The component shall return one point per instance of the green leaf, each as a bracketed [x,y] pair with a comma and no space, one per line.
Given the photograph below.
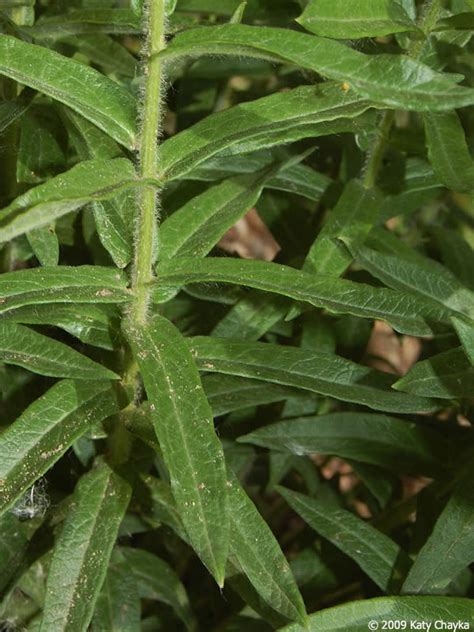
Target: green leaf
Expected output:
[447,375]
[84,21]
[251,317]
[448,150]
[98,98]
[356,615]
[196,227]
[63,284]
[192,452]
[24,347]
[380,440]
[450,546]
[82,551]
[92,324]
[46,430]
[405,313]
[323,373]
[421,276]
[465,332]
[395,80]
[155,579]
[307,111]
[114,223]
[45,245]
[261,558]
[299,179]
[355,213]
[86,182]
[227,393]
[118,606]
[367,18]
[376,554]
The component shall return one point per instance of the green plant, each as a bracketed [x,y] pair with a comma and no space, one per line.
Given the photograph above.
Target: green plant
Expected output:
[124,332]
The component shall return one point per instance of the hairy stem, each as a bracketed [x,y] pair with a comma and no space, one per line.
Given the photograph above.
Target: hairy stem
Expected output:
[147,228]
[429,16]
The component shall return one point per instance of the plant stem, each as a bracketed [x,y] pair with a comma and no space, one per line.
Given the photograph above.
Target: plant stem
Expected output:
[147,228]
[377,151]
[428,18]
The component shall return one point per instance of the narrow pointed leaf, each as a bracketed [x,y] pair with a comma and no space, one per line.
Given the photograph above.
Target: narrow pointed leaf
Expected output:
[355,213]
[367,18]
[323,373]
[421,276]
[192,452]
[46,430]
[407,314]
[355,616]
[98,98]
[448,150]
[81,22]
[155,579]
[24,347]
[251,317]
[84,284]
[261,558]
[227,393]
[447,375]
[395,80]
[86,182]
[307,111]
[92,324]
[45,245]
[370,438]
[118,606]
[450,547]
[196,227]
[377,555]
[82,551]
[465,331]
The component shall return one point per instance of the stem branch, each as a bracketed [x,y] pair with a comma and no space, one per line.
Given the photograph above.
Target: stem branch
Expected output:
[147,228]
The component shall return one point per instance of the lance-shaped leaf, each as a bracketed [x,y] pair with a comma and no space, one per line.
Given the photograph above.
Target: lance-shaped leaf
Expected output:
[419,275]
[261,558]
[192,452]
[355,213]
[367,18]
[62,284]
[88,181]
[84,21]
[197,226]
[21,346]
[447,375]
[227,393]
[92,324]
[405,313]
[448,150]
[45,245]
[85,90]
[323,373]
[366,437]
[395,80]
[46,430]
[299,179]
[280,118]
[465,331]
[355,616]
[377,555]
[251,317]
[118,605]
[155,579]
[82,551]
[450,547]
